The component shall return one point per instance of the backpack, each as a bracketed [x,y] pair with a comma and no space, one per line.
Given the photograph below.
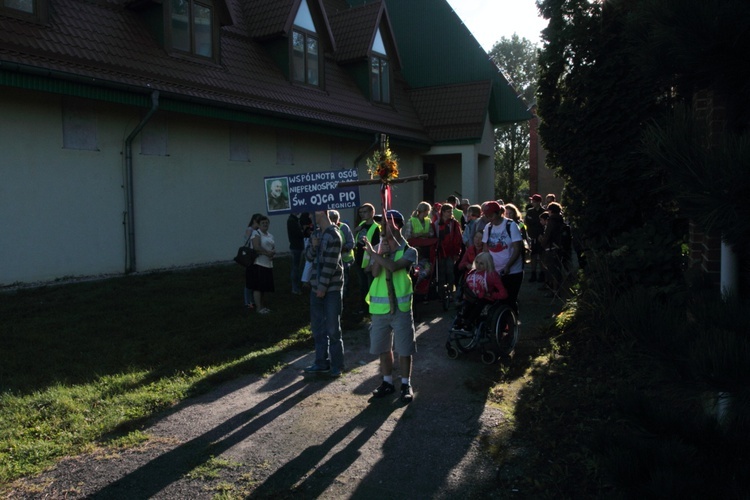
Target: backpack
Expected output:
[526,255]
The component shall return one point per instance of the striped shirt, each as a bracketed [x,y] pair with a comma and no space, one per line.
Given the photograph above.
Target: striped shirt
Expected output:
[327,267]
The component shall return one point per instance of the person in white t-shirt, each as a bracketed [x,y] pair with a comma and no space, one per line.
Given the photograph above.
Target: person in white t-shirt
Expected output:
[502,239]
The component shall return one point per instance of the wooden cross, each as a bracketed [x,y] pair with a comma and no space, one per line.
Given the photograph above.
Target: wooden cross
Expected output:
[385,183]
[370,182]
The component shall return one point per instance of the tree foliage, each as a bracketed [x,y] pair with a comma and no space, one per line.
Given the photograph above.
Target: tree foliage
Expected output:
[611,75]
[619,81]
[517,57]
[594,102]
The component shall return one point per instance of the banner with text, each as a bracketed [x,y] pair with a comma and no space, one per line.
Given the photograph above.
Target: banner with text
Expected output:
[310,191]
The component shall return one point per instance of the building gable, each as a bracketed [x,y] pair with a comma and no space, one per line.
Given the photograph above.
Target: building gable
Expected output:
[96,47]
[445,121]
[431,35]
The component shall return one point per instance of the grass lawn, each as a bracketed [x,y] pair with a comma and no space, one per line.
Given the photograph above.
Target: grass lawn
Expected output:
[85,362]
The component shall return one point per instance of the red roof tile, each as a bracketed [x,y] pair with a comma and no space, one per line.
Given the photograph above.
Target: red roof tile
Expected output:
[267,17]
[354,30]
[104,41]
[110,43]
[444,120]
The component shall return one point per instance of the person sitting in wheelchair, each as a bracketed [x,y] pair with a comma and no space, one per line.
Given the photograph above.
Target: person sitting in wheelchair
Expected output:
[482,286]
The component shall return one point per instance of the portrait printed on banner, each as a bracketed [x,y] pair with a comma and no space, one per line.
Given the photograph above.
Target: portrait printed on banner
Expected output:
[277,193]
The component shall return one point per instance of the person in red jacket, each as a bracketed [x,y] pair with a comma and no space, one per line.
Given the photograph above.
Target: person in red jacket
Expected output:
[448,233]
[470,254]
[483,286]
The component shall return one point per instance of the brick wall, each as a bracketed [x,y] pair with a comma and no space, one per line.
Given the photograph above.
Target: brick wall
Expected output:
[705,247]
[705,253]
[534,152]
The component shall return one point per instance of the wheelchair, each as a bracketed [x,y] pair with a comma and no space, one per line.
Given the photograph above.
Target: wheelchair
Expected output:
[495,334]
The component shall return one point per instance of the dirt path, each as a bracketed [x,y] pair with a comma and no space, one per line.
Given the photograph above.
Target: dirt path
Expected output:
[297,436]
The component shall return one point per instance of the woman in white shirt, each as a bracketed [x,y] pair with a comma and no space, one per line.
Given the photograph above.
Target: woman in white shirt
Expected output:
[264,244]
[502,239]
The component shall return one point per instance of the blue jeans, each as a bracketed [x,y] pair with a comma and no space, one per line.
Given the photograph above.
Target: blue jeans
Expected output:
[296,273]
[325,323]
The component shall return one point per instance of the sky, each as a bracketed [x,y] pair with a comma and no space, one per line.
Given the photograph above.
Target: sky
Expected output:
[490,20]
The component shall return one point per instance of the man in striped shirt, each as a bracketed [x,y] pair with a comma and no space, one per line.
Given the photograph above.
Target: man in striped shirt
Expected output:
[326,293]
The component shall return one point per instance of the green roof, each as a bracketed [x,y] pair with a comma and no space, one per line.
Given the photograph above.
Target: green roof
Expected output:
[437,49]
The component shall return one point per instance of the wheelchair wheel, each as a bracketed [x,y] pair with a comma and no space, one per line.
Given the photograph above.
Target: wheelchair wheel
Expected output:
[465,341]
[488,357]
[452,352]
[505,330]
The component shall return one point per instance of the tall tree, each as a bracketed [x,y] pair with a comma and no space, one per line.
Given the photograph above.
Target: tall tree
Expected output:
[594,100]
[518,59]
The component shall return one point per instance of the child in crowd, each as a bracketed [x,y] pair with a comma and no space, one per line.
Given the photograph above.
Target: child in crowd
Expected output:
[467,260]
[482,286]
[448,233]
[474,249]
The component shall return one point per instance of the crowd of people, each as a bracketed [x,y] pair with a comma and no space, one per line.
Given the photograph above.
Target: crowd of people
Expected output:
[480,251]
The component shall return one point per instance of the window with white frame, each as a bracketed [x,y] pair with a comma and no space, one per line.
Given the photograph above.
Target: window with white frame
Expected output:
[35,10]
[380,72]
[191,27]
[305,48]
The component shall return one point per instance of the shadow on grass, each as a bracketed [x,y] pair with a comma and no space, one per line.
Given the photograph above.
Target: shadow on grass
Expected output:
[164,323]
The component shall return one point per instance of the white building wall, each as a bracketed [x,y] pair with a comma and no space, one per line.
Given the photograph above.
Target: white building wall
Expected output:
[62,211]
[467,169]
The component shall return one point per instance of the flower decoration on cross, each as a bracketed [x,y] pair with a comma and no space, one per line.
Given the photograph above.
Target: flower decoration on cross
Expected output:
[384,163]
[383,170]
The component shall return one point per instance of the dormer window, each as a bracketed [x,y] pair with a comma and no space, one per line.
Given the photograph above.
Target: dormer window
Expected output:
[305,48]
[35,10]
[380,73]
[191,27]
[20,5]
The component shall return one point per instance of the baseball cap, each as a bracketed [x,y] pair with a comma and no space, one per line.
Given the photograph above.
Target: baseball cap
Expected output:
[536,197]
[492,207]
[396,217]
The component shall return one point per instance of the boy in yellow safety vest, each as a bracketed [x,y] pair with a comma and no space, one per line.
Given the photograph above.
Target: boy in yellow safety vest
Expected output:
[371,230]
[390,305]
[347,244]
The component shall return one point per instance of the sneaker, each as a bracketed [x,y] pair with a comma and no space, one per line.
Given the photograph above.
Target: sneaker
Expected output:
[265,310]
[406,393]
[384,390]
[336,372]
[313,368]
[250,307]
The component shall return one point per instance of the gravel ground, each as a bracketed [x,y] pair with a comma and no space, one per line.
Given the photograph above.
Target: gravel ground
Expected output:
[292,435]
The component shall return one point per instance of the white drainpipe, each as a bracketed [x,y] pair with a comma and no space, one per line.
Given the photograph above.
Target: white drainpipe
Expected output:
[729,282]
[729,271]
[130,216]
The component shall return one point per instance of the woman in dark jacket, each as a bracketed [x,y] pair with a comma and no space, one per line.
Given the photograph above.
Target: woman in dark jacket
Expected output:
[550,243]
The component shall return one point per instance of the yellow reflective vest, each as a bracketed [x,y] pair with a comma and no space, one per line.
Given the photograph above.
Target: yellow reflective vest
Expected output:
[370,233]
[420,226]
[346,255]
[378,298]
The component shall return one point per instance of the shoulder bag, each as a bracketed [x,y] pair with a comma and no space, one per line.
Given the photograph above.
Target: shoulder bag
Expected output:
[246,254]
